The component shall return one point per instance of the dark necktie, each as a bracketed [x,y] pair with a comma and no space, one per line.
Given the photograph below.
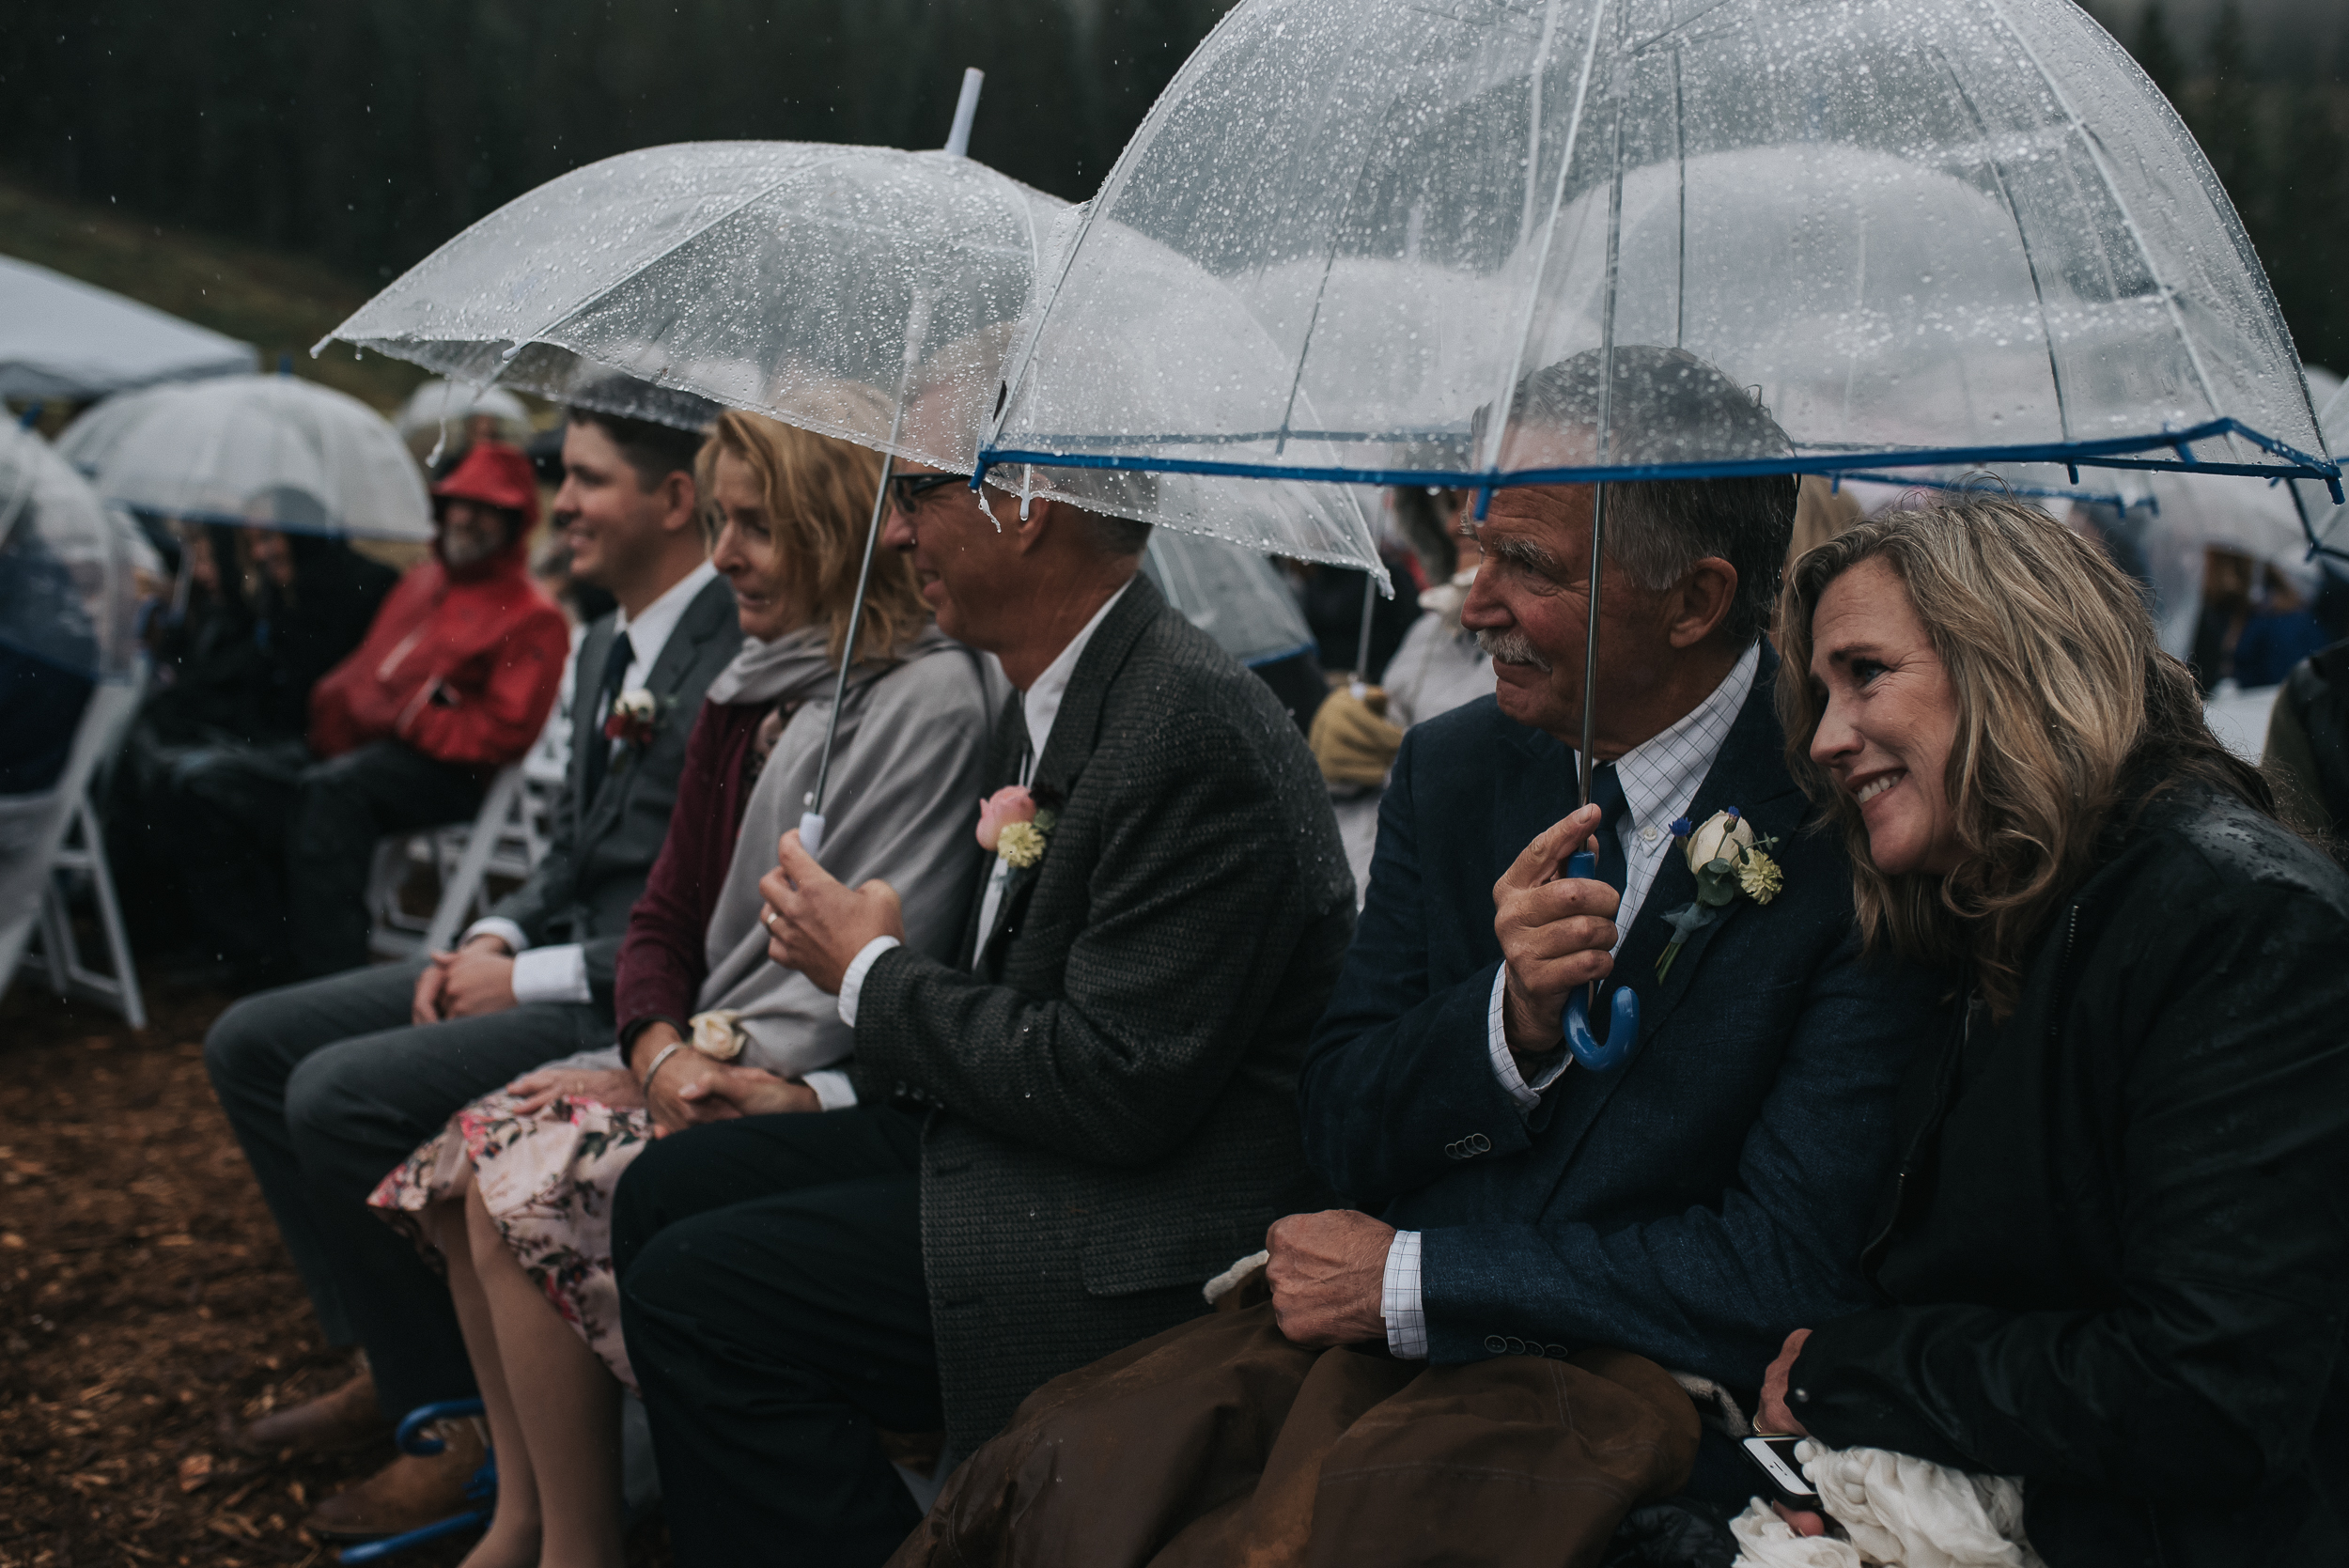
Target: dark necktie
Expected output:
[615,665]
[1607,794]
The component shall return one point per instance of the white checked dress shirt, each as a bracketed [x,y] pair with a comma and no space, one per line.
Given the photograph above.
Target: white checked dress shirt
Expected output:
[1660,777]
[559,972]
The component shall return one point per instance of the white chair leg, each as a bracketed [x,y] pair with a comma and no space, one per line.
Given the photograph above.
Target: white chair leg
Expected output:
[125,978]
[456,896]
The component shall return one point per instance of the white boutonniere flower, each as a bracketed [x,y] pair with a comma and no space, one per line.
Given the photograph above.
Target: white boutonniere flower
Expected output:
[634,716]
[1730,861]
[718,1034]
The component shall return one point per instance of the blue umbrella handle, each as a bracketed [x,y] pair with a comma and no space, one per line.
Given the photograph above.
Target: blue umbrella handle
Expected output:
[1623,1032]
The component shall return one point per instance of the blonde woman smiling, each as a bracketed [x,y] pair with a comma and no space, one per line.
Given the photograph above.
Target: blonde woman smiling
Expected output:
[517,1192]
[2113,1258]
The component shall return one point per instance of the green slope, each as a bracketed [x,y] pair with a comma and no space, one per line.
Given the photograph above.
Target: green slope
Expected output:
[279,304]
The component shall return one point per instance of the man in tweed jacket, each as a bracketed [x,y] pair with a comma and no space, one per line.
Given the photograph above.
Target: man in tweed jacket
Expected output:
[1060,1136]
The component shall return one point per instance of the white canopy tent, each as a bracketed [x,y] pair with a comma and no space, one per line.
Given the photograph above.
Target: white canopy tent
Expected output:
[60,337]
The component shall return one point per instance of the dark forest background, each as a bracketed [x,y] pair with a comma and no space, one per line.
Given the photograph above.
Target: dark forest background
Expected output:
[364,132]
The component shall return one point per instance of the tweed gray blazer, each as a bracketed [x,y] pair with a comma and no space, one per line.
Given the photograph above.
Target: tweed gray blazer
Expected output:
[1112,1092]
[601,851]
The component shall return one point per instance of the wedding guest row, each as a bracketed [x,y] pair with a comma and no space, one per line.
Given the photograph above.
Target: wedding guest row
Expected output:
[1057,1130]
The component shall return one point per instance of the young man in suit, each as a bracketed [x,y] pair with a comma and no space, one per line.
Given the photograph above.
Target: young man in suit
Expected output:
[331,1083]
[1057,1141]
[1697,1202]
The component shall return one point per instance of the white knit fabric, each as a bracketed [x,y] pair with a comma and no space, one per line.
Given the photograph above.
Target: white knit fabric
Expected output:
[1899,1511]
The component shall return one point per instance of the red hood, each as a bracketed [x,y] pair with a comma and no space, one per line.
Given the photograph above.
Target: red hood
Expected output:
[495,474]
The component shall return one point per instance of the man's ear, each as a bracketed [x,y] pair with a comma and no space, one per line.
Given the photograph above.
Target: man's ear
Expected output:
[1701,601]
[680,502]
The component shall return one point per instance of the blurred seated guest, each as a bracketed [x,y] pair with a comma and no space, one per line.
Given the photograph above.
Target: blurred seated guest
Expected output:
[516,1194]
[267,615]
[453,681]
[331,1083]
[1063,1129]
[2113,1259]
[1823,509]
[1332,600]
[1439,664]
[2279,633]
[2227,578]
[49,656]
[2308,743]
[1507,1209]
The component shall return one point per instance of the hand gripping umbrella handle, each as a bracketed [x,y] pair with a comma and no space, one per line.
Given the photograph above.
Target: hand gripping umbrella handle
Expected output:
[1622,1031]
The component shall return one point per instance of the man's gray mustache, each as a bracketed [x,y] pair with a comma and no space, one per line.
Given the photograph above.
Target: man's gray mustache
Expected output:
[1512,647]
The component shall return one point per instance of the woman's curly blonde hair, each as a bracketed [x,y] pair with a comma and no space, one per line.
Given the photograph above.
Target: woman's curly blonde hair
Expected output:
[2068,710]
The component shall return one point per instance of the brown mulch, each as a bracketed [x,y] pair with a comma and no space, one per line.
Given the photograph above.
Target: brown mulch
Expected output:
[147,1308]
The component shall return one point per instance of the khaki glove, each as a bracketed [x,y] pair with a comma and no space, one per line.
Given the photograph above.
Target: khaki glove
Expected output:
[1352,740]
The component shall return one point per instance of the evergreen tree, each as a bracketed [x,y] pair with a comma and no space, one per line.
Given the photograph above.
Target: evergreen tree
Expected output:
[2155,54]
[2309,263]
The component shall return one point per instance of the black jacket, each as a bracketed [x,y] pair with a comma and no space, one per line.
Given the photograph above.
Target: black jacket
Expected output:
[2118,1240]
[1112,1089]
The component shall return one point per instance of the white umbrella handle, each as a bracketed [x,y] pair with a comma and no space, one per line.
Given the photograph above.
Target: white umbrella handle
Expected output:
[811,832]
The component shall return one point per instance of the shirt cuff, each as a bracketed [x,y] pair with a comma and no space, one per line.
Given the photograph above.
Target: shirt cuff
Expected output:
[1505,1060]
[1399,1300]
[499,926]
[852,983]
[552,974]
[834,1091]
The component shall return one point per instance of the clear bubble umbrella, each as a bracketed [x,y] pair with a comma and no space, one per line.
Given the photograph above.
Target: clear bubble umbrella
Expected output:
[867,293]
[270,451]
[2323,516]
[67,598]
[1919,232]
[67,609]
[436,405]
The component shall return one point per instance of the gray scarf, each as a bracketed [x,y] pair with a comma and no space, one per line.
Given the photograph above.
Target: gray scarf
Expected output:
[908,764]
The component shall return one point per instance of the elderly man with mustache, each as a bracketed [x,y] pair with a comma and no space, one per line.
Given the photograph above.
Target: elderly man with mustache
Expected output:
[1446,1352]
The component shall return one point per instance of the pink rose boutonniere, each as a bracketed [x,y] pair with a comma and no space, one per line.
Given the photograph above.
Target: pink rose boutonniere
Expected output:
[1011,825]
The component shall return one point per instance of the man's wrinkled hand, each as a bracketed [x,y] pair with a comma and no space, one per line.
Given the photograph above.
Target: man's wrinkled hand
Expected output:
[480,980]
[431,1002]
[683,1093]
[1328,1273]
[752,1091]
[1556,933]
[817,926]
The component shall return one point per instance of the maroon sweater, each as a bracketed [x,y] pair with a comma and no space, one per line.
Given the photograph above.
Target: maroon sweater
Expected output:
[664,957]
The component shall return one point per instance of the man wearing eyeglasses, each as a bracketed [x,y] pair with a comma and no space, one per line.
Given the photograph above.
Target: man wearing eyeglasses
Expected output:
[1072,1129]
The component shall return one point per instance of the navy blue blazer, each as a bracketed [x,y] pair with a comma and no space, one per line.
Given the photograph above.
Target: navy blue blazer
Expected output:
[1694,1205]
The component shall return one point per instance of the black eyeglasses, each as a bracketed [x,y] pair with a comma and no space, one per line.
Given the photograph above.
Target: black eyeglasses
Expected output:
[906,490]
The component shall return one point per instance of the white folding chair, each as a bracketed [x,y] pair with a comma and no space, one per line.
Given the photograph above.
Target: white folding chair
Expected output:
[506,838]
[42,897]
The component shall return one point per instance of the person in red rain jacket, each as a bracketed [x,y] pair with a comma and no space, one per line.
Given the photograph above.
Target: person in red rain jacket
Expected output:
[453,682]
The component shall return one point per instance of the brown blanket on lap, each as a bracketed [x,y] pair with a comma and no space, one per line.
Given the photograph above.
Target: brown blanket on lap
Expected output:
[1220,1442]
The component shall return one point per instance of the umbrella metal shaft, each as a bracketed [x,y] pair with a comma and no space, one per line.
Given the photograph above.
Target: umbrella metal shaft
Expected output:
[1590,643]
[856,620]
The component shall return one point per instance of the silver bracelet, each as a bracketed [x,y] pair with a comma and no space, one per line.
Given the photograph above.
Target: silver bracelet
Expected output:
[666,1052]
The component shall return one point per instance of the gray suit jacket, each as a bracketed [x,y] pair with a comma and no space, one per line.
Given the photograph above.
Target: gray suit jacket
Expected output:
[1111,1093]
[602,849]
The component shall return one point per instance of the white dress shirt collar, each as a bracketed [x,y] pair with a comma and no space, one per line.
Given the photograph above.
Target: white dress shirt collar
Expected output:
[1040,705]
[647,632]
[1661,774]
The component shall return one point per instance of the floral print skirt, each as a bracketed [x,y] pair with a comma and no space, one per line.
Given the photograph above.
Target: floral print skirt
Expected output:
[547,1179]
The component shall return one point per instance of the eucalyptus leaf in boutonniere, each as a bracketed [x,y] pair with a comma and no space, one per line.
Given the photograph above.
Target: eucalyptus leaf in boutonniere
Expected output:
[1013,824]
[1730,863]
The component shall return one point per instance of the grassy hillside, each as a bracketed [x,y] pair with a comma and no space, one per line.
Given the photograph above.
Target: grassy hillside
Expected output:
[279,304]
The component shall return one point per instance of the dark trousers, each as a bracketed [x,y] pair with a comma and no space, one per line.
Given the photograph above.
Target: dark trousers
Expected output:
[772,1293]
[340,808]
[329,1087]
